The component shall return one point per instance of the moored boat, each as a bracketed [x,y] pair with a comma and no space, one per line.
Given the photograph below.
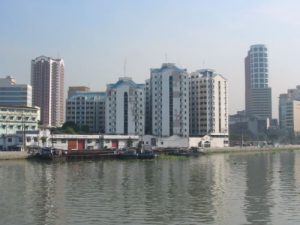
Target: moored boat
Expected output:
[146,154]
[127,154]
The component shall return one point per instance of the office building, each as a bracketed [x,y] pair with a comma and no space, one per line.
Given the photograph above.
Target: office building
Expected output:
[258,100]
[125,107]
[289,110]
[208,103]
[47,80]
[18,118]
[12,94]
[169,101]
[87,109]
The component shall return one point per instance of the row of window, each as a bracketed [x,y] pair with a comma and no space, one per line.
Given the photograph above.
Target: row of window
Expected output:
[18,118]
[19,127]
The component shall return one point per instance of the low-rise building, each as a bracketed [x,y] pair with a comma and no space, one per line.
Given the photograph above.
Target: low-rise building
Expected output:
[74,142]
[18,118]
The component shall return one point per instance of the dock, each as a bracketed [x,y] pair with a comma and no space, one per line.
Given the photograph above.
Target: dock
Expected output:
[8,155]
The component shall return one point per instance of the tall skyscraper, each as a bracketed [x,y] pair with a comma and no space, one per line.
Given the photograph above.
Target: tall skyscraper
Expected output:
[258,98]
[169,101]
[12,94]
[208,104]
[125,107]
[47,80]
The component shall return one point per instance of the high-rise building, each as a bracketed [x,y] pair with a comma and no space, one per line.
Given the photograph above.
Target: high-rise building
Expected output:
[12,94]
[47,80]
[208,104]
[258,98]
[87,109]
[72,90]
[169,101]
[289,110]
[125,107]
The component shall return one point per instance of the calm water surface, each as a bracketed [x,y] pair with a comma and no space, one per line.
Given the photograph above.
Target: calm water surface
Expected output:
[218,189]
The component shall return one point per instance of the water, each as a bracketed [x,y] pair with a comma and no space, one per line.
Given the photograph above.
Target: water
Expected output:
[218,189]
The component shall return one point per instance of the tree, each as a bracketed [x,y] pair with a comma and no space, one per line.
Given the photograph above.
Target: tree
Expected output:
[70,124]
[129,142]
[70,130]
[44,139]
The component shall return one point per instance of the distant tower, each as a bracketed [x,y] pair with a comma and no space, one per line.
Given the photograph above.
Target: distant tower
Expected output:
[47,80]
[258,95]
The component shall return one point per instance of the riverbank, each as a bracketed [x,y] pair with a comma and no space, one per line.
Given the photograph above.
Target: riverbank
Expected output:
[13,155]
[253,149]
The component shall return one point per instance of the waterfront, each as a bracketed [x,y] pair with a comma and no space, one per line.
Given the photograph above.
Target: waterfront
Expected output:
[246,188]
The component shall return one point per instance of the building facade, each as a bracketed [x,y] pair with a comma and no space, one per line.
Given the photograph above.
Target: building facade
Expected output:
[47,80]
[74,142]
[208,103]
[87,109]
[12,94]
[169,90]
[125,108]
[258,95]
[289,110]
[18,118]
[148,103]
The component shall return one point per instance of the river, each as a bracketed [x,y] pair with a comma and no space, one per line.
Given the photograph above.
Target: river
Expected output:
[260,188]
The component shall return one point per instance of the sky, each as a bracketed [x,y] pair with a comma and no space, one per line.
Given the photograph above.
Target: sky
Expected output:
[96,38]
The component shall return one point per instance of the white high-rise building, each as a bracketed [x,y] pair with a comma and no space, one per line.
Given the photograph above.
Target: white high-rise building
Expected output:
[208,104]
[169,101]
[125,108]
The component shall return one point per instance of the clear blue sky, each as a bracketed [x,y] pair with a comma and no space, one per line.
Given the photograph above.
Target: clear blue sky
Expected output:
[95,37]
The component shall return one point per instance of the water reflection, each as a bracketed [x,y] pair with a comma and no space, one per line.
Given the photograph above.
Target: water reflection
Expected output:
[218,189]
[258,196]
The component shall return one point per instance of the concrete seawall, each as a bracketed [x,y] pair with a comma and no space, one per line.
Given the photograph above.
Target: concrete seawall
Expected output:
[13,155]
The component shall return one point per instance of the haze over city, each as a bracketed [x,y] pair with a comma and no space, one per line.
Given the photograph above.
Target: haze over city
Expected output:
[97,38]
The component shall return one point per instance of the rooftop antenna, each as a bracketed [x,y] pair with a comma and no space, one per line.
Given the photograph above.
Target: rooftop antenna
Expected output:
[124,68]
[166,57]
[203,64]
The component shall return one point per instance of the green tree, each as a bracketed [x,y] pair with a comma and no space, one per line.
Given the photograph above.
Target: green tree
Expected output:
[129,142]
[69,130]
